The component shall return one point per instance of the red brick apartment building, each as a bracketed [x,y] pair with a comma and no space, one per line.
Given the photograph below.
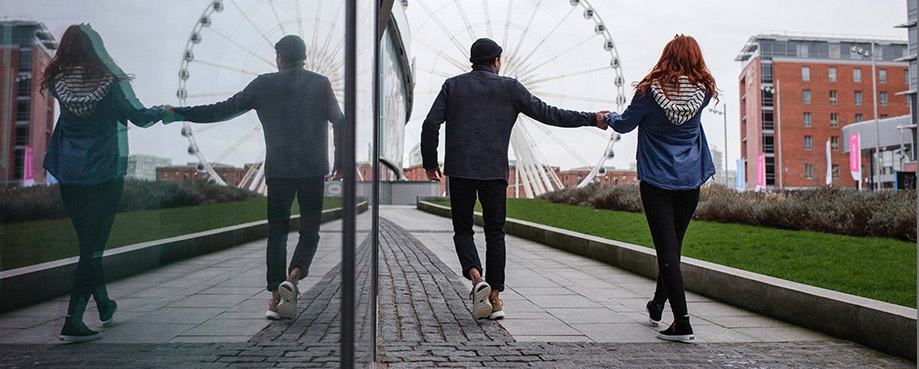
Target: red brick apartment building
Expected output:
[797,92]
[26,116]
[190,174]
[611,177]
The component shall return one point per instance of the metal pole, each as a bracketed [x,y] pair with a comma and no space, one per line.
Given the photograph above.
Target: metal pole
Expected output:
[348,200]
[877,135]
[375,221]
[725,109]
[778,134]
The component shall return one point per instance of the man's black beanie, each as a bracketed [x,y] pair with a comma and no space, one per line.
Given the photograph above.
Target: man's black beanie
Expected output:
[484,51]
[291,48]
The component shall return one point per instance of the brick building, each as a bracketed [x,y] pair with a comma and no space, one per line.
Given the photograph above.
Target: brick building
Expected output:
[611,177]
[797,92]
[26,115]
[190,173]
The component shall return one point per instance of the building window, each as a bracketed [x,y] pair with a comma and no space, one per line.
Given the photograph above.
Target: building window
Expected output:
[834,120]
[835,171]
[883,99]
[857,75]
[808,171]
[24,88]
[834,51]
[832,74]
[808,143]
[834,97]
[883,116]
[858,97]
[806,96]
[25,61]
[834,143]
[807,119]
[801,50]
[805,73]
[906,76]
[858,118]
[767,73]
[882,75]
[22,135]
[22,110]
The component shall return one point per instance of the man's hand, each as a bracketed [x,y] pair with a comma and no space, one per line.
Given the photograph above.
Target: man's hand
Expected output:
[337,174]
[601,121]
[435,174]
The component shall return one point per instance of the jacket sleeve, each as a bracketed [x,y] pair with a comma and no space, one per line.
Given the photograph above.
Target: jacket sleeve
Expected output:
[236,105]
[631,117]
[337,119]
[131,108]
[535,108]
[430,129]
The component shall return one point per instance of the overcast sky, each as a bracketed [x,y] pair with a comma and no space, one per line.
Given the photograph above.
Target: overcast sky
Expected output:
[147,38]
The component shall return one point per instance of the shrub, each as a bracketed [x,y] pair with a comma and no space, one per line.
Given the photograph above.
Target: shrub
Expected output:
[827,209]
[44,202]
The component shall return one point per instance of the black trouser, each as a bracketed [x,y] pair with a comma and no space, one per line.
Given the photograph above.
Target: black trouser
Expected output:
[92,211]
[281,192]
[668,213]
[493,195]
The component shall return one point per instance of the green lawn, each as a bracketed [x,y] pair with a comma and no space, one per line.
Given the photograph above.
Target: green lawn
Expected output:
[877,268]
[40,241]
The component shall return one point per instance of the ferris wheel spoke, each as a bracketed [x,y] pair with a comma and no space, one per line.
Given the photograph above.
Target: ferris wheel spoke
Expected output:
[259,30]
[555,138]
[556,56]
[212,94]
[449,58]
[232,41]
[328,40]
[225,67]
[546,38]
[438,73]
[207,127]
[526,30]
[442,27]
[507,21]
[275,11]
[465,19]
[487,19]
[573,97]
[316,25]
[238,143]
[566,75]
[299,16]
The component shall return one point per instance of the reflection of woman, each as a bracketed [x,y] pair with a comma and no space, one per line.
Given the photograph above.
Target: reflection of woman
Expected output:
[88,156]
[673,162]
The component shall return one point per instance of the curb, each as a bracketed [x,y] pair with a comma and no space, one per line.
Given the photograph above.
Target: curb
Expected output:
[882,326]
[19,286]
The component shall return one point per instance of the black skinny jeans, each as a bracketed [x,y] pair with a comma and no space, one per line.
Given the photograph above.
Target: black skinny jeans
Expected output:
[668,213]
[281,192]
[493,195]
[92,211]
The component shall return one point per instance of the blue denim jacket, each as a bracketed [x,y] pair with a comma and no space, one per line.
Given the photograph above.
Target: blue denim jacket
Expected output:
[94,149]
[672,157]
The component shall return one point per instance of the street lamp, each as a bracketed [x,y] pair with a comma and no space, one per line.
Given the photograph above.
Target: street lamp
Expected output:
[874,100]
[724,112]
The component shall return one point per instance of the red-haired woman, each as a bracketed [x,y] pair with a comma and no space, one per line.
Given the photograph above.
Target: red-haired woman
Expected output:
[88,156]
[673,163]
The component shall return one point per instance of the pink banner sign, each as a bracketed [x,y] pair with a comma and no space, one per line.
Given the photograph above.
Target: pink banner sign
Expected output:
[855,156]
[760,172]
[28,173]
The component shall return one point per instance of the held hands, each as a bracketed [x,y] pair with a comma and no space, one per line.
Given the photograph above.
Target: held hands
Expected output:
[435,174]
[601,121]
[169,114]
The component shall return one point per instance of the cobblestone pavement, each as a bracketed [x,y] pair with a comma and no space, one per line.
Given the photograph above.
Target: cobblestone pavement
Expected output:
[425,322]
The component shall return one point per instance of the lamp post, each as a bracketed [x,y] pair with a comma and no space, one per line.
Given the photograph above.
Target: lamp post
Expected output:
[874,101]
[724,112]
[778,131]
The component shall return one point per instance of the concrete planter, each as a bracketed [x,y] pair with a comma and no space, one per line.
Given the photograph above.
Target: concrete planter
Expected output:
[20,287]
[882,326]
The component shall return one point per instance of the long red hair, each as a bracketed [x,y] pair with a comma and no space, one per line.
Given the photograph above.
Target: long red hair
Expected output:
[80,46]
[681,57]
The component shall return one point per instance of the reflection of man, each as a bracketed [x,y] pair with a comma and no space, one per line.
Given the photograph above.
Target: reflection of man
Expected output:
[294,106]
[480,109]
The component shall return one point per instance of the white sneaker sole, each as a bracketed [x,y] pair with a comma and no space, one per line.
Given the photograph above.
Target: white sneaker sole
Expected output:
[676,338]
[287,307]
[274,315]
[654,323]
[75,339]
[497,315]
[481,307]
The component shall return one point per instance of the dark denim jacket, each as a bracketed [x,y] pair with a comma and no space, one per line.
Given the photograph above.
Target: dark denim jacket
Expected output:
[295,107]
[94,149]
[672,157]
[480,109]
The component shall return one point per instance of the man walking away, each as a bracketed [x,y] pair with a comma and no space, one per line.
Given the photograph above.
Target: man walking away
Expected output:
[480,109]
[295,107]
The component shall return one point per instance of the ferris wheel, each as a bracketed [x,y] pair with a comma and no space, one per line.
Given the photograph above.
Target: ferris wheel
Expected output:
[231,43]
[561,50]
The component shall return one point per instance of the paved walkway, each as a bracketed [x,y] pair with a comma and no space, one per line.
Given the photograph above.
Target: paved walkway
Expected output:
[564,311]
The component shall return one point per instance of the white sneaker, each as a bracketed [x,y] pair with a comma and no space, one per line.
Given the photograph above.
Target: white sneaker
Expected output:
[272,312]
[481,307]
[287,308]
[497,310]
